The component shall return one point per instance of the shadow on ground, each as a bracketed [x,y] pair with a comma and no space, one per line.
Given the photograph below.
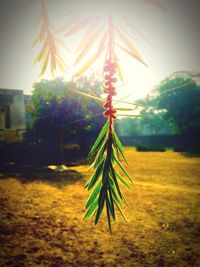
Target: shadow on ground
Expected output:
[28,173]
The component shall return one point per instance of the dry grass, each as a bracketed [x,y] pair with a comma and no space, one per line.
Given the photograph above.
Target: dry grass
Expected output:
[41,217]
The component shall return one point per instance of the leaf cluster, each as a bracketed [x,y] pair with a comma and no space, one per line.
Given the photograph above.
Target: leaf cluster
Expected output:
[105,179]
[49,53]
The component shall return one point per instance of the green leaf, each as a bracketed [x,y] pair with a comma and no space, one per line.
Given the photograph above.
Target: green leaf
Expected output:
[125,200]
[99,139]
[133,115]
[108,214]
[96,175]
[125,109]
[91,96]
[111,203]
[115,180]
[130,103]
[112,187]
[119,146]
[122,168]
[122,180]
[102,195]
[100,154]
[91,210]
[120,211]
[99,212]
[93,195]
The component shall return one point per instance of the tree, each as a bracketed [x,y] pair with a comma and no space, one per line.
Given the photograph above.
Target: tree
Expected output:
[58,111]
[180,97]
[154,121]
[128,127]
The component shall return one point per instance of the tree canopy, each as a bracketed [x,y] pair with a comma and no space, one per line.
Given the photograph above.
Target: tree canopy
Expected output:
[55,106]
[180,97]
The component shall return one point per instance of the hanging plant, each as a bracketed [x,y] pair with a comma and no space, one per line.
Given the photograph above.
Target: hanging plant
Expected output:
[49,53]
[105,153]
[107,150]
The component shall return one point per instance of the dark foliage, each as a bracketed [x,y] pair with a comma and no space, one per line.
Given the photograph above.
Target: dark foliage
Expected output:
[60,115]
[151,147]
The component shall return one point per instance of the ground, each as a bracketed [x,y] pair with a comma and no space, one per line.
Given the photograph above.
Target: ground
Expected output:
[41,217]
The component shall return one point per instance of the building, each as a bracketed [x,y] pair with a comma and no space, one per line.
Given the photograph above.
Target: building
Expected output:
[12,115]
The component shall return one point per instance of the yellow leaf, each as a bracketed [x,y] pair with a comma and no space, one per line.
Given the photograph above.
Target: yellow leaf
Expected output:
[68,24]
[130,103]
[60,66]
[134,29]
[62,61]
[129,45]
[119,71]
[39,19]
[156,3]
[37,39]
[43,31]
[51,43]
[102,43]
[53,65]
[61,43]
[89,45]
[44,66]
[91,96]
[88,34]
[89,63]
[131,54]
[41,54]
[78,27]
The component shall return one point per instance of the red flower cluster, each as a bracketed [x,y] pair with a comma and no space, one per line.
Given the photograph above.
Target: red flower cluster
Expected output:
[109,88]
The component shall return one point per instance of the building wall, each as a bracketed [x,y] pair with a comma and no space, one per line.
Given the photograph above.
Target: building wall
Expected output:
[12,115]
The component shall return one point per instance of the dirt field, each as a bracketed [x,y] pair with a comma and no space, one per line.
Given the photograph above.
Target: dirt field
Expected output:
[41,217]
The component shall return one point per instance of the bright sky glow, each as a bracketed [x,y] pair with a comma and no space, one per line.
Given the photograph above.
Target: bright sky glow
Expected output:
[173,36]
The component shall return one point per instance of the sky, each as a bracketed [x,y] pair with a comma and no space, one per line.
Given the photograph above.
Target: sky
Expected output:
[173,40]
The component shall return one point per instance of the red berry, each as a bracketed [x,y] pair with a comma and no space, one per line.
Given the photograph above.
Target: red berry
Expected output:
[113,65]
[113,93]
[107,105]
[106,113]
[108,83]
[109,98]
[114,117]
[112,72]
